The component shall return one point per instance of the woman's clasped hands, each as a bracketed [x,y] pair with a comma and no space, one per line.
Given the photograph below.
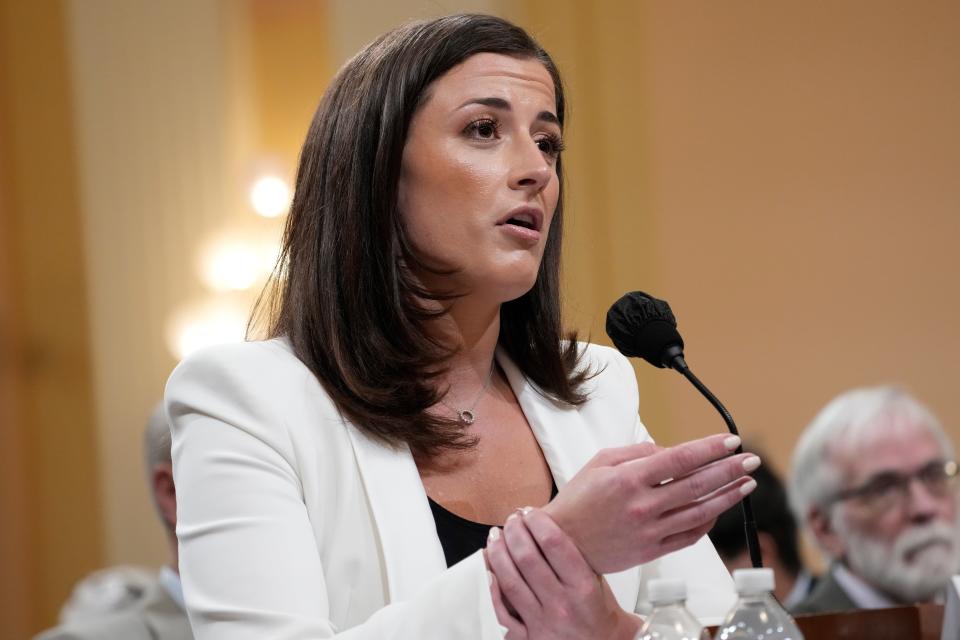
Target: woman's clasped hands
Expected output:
[542,587]
[627,506]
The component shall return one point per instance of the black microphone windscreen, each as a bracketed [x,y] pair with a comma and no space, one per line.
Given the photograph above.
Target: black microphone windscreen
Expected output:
[643,326]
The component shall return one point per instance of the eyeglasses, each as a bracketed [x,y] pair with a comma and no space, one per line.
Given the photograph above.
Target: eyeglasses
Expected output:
[890,489]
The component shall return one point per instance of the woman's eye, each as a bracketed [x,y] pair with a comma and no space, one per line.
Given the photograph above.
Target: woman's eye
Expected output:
[550,145]
[484,129]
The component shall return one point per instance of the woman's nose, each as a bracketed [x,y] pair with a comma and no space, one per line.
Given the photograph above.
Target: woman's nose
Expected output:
[531,169]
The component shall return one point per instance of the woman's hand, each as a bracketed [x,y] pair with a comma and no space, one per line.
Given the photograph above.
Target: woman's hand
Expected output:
[633,504]
[544,589]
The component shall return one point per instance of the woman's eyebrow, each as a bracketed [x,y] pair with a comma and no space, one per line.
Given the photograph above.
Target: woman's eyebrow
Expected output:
[500,103]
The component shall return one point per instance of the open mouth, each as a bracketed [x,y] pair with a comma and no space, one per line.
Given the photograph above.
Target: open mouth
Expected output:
[525,218]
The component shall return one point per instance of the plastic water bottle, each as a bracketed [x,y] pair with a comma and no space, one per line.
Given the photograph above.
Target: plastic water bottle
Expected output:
[670,618]
[757,615]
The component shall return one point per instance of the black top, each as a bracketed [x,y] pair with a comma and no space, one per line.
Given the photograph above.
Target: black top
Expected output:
[460,537]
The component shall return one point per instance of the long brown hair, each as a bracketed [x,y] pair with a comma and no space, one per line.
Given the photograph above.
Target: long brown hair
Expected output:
[343,293]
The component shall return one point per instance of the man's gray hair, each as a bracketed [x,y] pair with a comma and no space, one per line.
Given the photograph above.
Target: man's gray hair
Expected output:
[156,439]
[156,450]
[850,419]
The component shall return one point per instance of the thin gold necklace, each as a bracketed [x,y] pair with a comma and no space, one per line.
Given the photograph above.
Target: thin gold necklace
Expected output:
[468,416]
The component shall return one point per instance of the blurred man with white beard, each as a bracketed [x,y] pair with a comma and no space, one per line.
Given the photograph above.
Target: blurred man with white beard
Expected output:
[874,480]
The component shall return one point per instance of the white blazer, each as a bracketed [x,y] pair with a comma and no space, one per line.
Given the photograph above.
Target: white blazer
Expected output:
[295,525]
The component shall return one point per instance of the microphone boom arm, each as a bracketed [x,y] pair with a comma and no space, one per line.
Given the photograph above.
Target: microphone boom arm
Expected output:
[673,358]
[643,326]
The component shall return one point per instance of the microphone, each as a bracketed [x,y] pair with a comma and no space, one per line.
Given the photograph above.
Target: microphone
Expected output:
[643,326]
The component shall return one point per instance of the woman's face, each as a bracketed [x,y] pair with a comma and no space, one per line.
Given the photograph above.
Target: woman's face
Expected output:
[478,183]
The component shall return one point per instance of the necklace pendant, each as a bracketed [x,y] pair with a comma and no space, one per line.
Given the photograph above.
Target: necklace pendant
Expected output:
[466,416]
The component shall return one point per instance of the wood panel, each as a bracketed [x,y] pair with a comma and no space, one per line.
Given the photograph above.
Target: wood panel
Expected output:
[52,527]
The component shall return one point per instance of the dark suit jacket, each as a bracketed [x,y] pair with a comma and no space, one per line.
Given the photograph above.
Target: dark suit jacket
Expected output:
[154,617]
[827,597]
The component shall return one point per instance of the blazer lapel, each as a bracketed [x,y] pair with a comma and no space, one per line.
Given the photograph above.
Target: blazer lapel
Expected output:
[412,554]
[562,434]
[568,443]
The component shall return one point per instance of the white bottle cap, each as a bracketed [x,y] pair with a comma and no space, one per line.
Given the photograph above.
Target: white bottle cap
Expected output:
[752,582]
[663,590]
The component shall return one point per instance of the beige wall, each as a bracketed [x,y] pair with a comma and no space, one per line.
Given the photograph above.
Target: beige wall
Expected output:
[159,115]
[354,24]
[784,173]
[803,177]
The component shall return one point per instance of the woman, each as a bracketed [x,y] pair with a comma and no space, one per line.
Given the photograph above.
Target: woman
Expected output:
[340,479]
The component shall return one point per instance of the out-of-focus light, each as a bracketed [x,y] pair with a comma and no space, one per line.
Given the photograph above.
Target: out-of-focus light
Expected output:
[231,266]
[270,196]
[198,327]
[269,254]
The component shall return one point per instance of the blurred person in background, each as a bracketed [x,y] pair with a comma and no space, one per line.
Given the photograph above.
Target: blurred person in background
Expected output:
[874,480]
[776,532]
[131,603]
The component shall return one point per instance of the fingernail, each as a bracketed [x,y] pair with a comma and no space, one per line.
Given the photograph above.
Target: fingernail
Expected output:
[494,534]
[751,464]
[489,578]
[525,510]
[731,443]
[511,517]
[748,486]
